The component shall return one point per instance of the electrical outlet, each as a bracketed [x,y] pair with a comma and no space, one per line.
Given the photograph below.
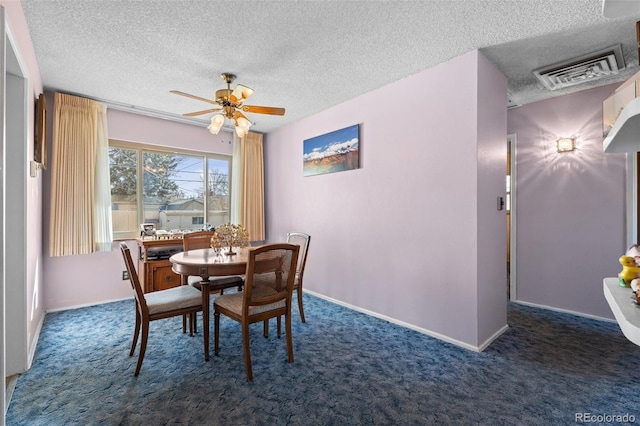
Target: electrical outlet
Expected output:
[125,275]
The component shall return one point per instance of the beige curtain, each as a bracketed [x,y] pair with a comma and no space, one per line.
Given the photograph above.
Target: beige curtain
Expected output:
[73,175]
[102,203]
[252,186]
[235,213]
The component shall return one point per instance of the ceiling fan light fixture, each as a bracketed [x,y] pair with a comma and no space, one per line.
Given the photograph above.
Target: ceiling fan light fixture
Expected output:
[240,93]
[241,132]
[241,120]
[216,124]
[242,124]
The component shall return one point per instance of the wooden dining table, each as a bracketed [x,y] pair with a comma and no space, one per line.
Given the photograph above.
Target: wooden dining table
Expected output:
[207,263]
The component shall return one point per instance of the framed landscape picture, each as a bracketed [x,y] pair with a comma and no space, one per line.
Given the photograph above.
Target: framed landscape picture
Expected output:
[332,152]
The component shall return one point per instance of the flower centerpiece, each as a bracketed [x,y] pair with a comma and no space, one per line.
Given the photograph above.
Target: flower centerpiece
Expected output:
[229,236]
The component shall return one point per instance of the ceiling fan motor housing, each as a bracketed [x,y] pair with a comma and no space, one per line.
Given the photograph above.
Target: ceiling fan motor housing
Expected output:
[222,97]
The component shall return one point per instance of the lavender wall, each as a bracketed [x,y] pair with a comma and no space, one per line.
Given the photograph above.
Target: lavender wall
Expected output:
[492,231]
[144,129]
[399,236]
[570,207]
[73,281]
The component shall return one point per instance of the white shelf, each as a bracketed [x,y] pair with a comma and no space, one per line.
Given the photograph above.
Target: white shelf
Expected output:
[624,136]
[626,312]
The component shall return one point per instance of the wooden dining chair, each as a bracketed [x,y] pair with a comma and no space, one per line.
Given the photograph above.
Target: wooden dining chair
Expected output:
[269,279]
[302,240]
[201,240]
[181,300]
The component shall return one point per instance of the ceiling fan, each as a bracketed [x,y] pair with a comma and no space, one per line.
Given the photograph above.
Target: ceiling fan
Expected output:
[230,104]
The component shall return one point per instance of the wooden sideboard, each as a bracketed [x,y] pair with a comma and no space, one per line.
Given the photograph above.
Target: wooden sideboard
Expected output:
[154,267]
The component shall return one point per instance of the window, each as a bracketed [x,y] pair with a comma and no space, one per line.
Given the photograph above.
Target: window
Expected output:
[123,164]
[168,189]
[218,200]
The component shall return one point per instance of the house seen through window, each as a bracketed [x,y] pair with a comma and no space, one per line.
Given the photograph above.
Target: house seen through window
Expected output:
[167,189]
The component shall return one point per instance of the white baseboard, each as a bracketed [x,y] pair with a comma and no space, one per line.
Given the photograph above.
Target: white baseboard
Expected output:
[411,326]
[490,340]
[11,386]
[32,350]
[89,304]
[564,311]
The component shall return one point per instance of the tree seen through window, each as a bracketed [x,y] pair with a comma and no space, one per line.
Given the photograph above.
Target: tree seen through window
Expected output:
[173,190]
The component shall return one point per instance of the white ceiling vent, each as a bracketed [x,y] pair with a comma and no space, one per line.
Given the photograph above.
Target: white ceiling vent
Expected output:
[587,68]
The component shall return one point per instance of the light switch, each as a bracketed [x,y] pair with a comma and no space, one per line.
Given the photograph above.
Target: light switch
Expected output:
[33,168]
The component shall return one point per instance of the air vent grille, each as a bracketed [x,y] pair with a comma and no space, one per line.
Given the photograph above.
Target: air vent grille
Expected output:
[584,69]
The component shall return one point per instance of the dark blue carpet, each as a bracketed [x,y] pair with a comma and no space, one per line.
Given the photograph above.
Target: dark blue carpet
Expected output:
[349,369]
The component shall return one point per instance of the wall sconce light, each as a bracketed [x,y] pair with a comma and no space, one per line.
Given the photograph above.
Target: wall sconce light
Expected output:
[566,144]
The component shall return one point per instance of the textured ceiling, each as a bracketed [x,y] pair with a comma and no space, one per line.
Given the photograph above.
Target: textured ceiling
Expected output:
[305,56]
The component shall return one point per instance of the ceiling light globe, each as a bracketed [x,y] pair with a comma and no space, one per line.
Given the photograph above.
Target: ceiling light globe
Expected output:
[217,120]
[216,124]
[246,92]
[241,132]
[243,123]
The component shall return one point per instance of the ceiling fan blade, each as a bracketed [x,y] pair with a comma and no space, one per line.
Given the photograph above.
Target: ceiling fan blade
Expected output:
[263,109]
[206,111]
[240,93]
[198,98]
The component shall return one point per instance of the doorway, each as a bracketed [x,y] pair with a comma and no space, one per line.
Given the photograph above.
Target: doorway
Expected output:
[510,204]
[14,95]
[3,393]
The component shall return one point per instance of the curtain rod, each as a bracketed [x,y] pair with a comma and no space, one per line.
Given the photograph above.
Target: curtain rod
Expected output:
[144,111]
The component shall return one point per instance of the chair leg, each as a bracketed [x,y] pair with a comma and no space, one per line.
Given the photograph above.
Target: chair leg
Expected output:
[184,323]
[279,322]
[143,346]
[136,332]
[287,321]
[245,347]
[265,328]
[216,331]
[195,322]
[299,291]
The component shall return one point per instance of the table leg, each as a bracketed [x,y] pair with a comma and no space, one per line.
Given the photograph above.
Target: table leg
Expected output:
[204,286]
